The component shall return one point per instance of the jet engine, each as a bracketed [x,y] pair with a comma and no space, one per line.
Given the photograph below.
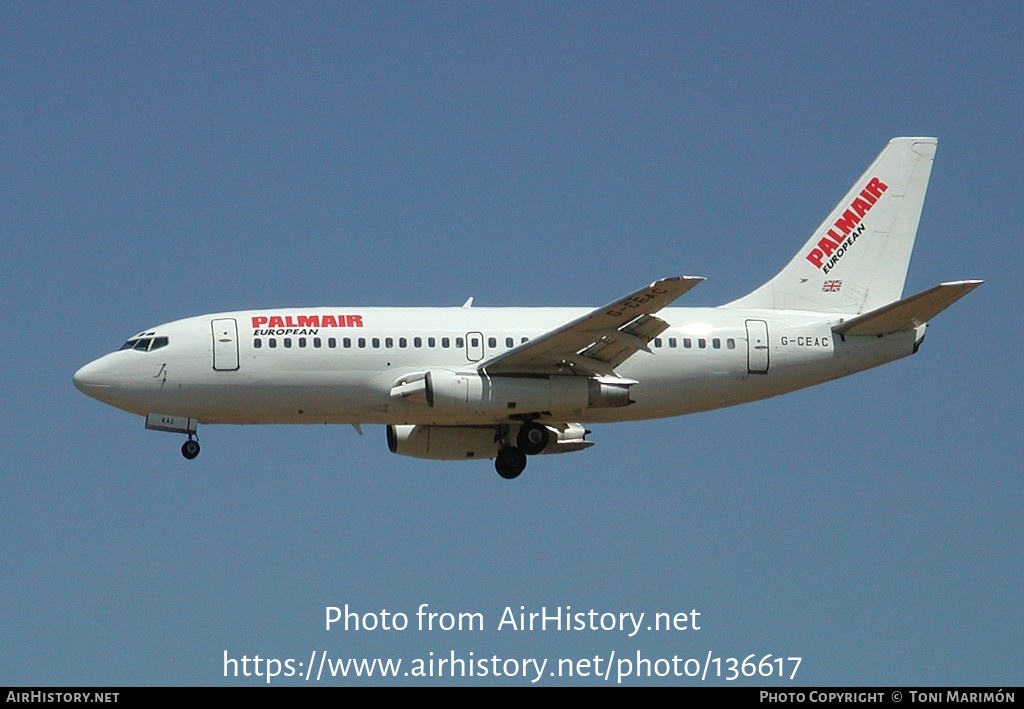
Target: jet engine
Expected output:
[476,392]
[470,442]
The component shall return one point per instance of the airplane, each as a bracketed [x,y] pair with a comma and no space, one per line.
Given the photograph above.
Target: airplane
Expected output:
[507,383]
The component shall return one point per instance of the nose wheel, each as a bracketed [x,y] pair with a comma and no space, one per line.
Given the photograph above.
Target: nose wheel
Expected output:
[190,448]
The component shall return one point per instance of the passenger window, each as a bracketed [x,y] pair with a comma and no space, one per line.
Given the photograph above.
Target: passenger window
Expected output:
[402,342]
[346,342]
[417,342]
[287,342]
[302,342]
[431,342]
[702,343]
[332,342]
[716,343]
[376,343]
[362,342]
[316,342]
[389,342]
[509,342]
[730,343]
[687,343]
[460,342]
[257,343]
[445,342]
[657,342]
[492,342]
[671,342]
[272,342]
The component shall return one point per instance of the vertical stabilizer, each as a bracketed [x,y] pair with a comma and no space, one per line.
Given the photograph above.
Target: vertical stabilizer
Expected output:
[857,259]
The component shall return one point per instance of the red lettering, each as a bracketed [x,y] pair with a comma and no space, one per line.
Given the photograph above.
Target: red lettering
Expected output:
[860,207]
[306,321]
[853,215]
[847,222]
[876,187]
[827,246]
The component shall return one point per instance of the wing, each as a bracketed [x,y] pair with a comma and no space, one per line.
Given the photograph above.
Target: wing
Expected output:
[599,341]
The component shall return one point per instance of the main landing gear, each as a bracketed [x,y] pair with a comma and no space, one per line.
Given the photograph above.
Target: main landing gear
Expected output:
[190,448]
[511,460]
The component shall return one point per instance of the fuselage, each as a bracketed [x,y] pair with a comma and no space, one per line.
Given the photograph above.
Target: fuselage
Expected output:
[341,365]
[507,383]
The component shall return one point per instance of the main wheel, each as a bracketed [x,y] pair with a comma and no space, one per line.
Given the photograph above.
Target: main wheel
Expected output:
[533,438]
[190,449]
[510,462]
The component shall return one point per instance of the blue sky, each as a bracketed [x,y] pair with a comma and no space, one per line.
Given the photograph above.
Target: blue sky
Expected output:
[162,160]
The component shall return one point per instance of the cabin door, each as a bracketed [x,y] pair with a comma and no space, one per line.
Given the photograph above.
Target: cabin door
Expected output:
[757,347]
[225,344]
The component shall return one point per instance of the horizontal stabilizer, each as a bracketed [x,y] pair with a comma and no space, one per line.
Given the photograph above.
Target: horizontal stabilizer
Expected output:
[908,313]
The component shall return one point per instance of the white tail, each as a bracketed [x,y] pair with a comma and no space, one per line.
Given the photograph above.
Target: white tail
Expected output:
[857,259]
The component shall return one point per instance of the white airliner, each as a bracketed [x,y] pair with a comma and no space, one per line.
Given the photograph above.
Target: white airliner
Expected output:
[461,383]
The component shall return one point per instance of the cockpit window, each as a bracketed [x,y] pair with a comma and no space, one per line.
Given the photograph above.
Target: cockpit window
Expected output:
[145,344]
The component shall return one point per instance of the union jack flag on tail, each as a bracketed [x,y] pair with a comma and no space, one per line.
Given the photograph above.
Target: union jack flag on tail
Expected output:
[831,286]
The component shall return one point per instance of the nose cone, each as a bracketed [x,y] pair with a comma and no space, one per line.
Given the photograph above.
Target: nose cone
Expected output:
[92,379]
[114,380]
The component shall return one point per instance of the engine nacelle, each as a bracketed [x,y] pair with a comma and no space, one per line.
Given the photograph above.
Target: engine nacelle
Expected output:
[452,391]
[443,442]
[471,442]
[607,392]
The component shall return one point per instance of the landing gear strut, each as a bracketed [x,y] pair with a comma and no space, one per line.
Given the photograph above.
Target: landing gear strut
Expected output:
[190,448]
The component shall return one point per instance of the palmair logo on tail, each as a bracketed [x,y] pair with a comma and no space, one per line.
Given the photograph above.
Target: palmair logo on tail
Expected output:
[831,286]
[844,232]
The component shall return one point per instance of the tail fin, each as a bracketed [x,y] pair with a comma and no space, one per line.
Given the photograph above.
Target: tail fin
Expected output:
[857,260]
